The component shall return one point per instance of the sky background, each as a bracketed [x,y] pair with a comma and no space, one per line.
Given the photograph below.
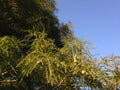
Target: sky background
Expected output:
[95,20]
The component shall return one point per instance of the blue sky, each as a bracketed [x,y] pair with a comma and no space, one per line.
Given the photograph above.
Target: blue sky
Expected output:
[95,20]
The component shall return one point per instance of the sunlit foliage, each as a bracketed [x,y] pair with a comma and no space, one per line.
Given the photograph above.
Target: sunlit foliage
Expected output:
[38,52]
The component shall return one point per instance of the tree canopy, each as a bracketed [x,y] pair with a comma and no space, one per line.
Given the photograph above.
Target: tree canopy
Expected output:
[39,52]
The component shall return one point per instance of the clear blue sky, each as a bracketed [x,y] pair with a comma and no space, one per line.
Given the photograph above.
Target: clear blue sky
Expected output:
[95,20]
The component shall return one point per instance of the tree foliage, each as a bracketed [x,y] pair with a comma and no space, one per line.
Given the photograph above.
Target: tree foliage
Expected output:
[38,52]
[110,66]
